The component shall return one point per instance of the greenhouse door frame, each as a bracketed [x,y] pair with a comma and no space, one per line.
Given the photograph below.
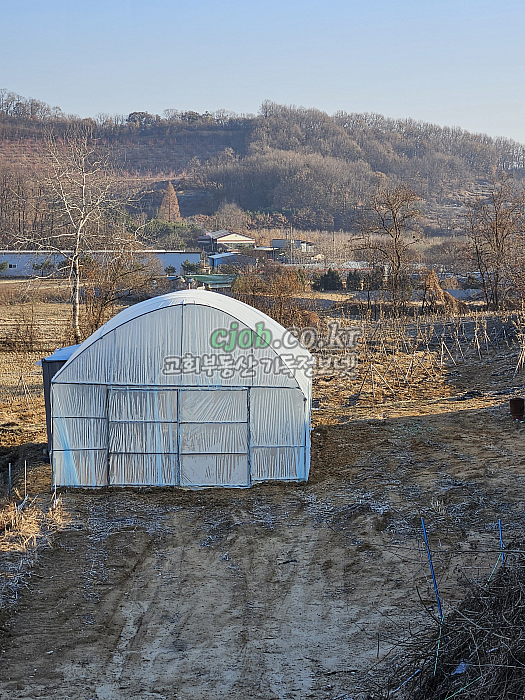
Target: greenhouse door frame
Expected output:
[184,448]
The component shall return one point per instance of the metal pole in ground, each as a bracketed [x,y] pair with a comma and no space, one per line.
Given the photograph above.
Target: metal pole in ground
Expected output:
[432,569]
[25,478]
[9,481]
[501,543]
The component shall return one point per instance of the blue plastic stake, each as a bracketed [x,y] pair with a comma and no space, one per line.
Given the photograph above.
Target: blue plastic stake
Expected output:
[501,542]
[432,569]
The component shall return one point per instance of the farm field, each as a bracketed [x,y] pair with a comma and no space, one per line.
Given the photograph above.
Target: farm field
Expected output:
[279,591]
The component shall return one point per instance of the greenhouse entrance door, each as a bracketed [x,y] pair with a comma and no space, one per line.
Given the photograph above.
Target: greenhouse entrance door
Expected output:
[178,437]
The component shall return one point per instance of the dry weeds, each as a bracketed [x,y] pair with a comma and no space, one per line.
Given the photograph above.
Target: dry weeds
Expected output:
[478,651]
[25,529]
[27,525]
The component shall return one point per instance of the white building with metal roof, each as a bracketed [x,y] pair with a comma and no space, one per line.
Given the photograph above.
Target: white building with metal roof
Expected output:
[31,263]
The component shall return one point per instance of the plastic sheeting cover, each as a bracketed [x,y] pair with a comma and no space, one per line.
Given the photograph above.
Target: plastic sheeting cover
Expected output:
[119,419]
[131,347]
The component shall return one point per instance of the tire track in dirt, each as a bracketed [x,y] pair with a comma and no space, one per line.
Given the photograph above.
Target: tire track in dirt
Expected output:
[271,604]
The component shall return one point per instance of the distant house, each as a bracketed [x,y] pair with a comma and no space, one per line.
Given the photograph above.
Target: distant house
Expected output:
[175,258]
[31,263]
[214,283]
[360,265]
[266,252]
[303,246]
[467,294]
[214,239]
[236,259]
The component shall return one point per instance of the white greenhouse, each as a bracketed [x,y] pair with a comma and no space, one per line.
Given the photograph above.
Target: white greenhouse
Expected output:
[189,389]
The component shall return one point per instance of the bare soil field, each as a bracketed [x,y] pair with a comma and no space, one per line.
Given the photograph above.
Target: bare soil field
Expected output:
[279,591]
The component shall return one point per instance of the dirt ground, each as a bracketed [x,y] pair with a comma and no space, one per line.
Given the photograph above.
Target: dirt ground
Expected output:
[279,591]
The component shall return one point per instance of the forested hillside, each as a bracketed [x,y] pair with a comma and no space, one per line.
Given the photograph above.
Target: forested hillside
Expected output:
[287,165]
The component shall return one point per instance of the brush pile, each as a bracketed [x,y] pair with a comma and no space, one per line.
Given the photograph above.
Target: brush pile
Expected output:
[479,649]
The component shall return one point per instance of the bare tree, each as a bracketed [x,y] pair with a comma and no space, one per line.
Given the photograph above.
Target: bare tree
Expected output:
[387,232]
[110,277]
[87,200]
[230,216]
[495,223]
[516,270]
[274,292]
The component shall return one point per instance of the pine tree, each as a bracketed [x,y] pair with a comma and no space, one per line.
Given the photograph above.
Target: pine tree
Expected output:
[329,282]
[354,281]
[169,208]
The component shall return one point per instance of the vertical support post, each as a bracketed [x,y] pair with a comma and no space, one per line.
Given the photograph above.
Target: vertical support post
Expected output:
[249,435]
[25,478]
[501,543]
[108,405]
[179,437]
[432,569]
[9,481]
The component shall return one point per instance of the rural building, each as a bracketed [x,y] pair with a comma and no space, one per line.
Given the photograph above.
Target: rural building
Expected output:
[214,283]
[31,263]
[303,246]
[236,259]
[188,389]
[225,239]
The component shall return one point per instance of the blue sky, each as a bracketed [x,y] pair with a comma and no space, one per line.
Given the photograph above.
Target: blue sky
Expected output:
[456,63]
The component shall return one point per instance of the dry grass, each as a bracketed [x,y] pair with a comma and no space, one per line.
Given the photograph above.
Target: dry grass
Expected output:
[15,292]
[478,651]
[25,530]
[402,361]
[27,525]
